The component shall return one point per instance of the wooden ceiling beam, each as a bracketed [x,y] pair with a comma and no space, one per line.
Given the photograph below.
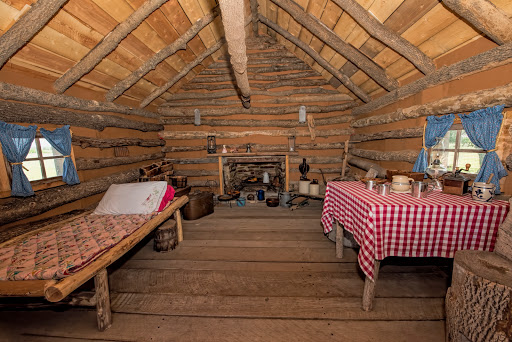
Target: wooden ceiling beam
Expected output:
[486,17]
[160,56]
[27,27]
[159,91]
[106,46]
[319,59]
[322,32]
[387,36]
[234,28]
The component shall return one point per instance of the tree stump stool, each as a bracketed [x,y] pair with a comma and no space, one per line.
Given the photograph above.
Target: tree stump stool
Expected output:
[478,303]
[166,236]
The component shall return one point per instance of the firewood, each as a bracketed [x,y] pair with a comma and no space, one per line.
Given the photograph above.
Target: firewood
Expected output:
[166,236]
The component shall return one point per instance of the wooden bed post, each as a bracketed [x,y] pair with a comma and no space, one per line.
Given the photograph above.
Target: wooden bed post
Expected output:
[369,288]
[177,217]
[103,313]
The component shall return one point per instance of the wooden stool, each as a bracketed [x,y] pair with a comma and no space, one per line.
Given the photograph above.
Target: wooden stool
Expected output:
[166,236]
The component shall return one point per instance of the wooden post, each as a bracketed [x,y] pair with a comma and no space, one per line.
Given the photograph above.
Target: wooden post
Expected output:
[177,217]
[345,158]
[339,240]
[103,313]
[287,177]
[369,288]
[221,176]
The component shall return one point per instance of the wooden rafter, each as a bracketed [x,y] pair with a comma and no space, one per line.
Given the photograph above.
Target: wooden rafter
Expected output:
[387,36]
[157,58]
[319,59]
[233,21]
[322,32]
[486,17]
[159,91]
[106,46]
[27,27]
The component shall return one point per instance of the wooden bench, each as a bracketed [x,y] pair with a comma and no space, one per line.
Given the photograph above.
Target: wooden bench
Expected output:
[56,290]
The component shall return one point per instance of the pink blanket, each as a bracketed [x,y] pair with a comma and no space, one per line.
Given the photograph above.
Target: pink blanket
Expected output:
[57,253]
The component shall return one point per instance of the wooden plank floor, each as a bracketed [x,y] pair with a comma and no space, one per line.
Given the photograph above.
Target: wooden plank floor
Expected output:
[251,274]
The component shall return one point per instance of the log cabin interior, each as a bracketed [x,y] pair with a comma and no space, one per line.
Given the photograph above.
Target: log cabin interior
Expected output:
[250,98]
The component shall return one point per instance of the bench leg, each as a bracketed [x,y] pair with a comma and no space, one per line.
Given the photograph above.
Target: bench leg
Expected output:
[339,240]
[103,313]
[177,217]
[369,288]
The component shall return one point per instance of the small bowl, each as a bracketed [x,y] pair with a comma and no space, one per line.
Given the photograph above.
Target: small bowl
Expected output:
[272,201]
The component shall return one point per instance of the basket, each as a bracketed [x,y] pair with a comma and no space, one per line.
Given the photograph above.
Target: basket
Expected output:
[179,181]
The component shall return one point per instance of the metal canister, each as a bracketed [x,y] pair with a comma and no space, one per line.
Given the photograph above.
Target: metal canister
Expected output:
[370,184]
[284,197]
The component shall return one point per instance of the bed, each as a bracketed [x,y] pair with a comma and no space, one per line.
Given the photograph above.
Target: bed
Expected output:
[37,270]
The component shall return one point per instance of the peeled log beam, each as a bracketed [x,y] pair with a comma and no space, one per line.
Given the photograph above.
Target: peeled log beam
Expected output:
[160,90]
[233,22]
[346,81]
[259,61]
[188,135]
[322,32]
[268,85]
[394,134]
[25,113]
[21,208]
[230,77]
[23,94]
[455,104]
[196,173]
[157,58]
[258,123]
[366,165]
[27,27]
[263,54]
[106,46]
[294,160]
[178,112]
[99,163]
[493,58]
[387,36]
[407,156]
[259,147]
[85,142]
[229,93]
[254,16]
[486,17]
[261,70]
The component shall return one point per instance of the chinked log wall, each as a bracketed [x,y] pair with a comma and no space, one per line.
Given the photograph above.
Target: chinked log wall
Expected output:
[269,122]
[96,131]
[398,126]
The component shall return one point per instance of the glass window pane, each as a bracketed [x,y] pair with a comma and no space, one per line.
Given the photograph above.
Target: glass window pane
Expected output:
[32,153]
[47,149]
[448,141]
[475,159]
[446,158]
[53,167]
[465,143]
[34,170]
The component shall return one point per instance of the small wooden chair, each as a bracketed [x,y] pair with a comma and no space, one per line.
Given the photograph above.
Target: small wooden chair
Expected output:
[479,301]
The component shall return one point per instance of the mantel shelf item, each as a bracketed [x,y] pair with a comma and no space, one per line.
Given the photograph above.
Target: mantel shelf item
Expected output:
[244,154]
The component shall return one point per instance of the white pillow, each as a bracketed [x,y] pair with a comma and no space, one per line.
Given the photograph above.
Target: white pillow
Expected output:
[132,198]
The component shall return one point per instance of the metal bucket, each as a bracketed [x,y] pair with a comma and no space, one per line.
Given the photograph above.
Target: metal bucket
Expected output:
[283,198]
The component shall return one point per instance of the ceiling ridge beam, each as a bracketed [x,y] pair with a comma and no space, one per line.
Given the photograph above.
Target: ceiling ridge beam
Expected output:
[106,46]
[259,85]
[160,56]
[228,78]
[347,82]
[27,27]
[387,36]
[160,90]
[325,34]
[287,123]
[486,17]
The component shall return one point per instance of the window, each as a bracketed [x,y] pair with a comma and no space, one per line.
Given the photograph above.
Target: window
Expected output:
[43,161]
[456,150]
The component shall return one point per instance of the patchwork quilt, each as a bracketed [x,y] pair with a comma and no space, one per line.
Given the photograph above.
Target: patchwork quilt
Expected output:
[59,252]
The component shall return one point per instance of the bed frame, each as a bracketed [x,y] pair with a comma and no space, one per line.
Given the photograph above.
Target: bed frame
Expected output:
[56,290]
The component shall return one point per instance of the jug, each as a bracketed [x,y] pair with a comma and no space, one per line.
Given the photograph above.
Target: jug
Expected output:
[401,183]
[482,192]
[266,178]
[261,195]
[284,197]
[421,189]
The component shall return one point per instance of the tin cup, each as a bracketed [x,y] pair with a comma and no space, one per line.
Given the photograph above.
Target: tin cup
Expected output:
[370,185]
[383,189]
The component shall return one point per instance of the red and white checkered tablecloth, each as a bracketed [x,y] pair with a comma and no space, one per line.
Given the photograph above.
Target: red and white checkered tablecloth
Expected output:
[401,225]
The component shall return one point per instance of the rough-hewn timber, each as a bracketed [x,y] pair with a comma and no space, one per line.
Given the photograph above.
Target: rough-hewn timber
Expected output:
[259,61]
[230,77]
[259,85]
[407,156]
[261,70]
[295,160]
[259,147]
[99,163]
[26,113]
[254,16]
[85,142]
[106,46]
[257,123]
[367,165]
[393,134]
[188,135]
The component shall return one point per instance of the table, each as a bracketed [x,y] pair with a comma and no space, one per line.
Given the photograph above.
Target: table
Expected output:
[401,225]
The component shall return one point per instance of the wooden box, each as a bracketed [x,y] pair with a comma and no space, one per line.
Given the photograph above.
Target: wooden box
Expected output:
[455,185]
[200,204]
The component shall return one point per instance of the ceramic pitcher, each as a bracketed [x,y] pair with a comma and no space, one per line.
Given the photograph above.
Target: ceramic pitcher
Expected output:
[401,183]
[482,192]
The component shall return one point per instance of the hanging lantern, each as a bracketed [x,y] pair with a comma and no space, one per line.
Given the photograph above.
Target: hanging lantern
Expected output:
[291,143]
[211,144]
[197,117]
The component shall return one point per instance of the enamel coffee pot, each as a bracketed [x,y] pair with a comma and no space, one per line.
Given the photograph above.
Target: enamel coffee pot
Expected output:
[261,195]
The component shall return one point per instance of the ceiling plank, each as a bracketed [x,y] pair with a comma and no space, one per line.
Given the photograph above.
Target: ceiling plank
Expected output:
[109,43]
[335,42]
[160,56]
[26,27]
[159,91]
[486,17]
[319,59]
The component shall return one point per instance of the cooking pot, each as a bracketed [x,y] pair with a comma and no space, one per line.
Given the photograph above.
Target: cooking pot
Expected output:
[272,202]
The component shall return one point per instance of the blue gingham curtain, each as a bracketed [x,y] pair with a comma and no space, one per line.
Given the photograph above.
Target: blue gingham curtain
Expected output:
[436,128]
[60,139]
[16,141]
[482,127]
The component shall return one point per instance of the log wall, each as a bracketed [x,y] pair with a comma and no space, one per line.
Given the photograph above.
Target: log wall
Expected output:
[405,133]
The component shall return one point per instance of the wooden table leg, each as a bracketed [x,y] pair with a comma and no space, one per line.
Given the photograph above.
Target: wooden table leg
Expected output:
[103,313]
[369,288]
[287,173]
[339,240]
[177,218]
[221,176]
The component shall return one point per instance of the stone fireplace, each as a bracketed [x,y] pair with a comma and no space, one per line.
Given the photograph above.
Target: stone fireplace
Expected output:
[239,173]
